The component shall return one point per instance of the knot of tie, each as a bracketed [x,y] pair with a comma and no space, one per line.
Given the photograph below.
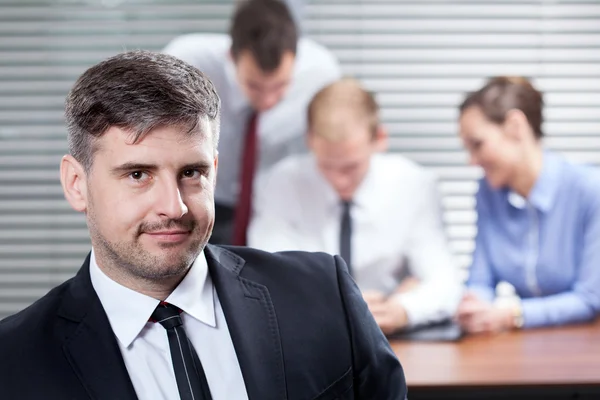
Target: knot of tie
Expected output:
[167,315]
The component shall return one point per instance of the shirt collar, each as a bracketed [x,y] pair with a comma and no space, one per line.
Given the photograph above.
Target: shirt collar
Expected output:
[544,190]
[128,311]
[185,296]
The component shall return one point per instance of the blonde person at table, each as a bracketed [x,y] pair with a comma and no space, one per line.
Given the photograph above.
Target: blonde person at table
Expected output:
[538,217]
[375,210]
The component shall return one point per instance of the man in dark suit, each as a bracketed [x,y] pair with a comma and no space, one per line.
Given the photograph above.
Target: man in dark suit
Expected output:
[155,312]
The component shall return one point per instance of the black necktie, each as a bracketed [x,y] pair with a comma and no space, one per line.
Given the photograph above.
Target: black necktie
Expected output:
[346,235]
[189,374]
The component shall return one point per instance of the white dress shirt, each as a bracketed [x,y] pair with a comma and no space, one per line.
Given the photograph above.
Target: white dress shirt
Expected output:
[145,346]
[281,130]
[397,228]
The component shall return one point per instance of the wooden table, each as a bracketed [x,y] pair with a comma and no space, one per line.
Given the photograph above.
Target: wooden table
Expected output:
[547,362]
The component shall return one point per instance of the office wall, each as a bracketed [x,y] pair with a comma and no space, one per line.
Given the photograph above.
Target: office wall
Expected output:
[419,56]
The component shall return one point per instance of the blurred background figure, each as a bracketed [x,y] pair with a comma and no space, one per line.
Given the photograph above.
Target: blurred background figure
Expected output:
[538,217]
[375,210]
[265,76]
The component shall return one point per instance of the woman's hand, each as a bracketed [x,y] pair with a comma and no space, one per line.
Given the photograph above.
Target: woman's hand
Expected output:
[478,316]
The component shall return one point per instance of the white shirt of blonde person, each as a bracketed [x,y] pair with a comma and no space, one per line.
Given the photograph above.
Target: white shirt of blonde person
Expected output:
[396,218]
[145,345]
[280,129]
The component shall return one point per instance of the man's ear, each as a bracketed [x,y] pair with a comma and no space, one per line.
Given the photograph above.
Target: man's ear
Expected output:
[74,183]
[381,138]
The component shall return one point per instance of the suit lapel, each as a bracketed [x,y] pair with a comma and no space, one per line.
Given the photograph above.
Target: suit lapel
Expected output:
[252,324]
[90,344]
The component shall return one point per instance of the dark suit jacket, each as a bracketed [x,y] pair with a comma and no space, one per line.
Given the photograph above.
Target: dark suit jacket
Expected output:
[297,320]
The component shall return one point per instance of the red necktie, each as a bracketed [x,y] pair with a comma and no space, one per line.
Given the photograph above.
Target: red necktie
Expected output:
[248,167]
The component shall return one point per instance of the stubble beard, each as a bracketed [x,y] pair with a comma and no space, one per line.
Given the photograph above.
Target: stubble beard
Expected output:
[132,260]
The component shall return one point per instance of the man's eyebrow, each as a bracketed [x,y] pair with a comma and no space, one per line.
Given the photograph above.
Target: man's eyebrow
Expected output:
[202,165]
[132,166]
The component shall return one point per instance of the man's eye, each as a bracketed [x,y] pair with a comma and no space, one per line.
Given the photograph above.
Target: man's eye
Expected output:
[137,175]
[190,173]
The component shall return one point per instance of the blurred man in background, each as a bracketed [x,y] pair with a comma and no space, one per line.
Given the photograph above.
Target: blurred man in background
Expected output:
[377,211]
[265,76]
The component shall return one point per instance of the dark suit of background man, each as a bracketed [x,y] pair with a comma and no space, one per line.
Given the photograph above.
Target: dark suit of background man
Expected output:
[155,312]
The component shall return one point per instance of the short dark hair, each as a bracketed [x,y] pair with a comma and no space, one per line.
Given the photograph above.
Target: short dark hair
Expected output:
[504,93]
[266,29]
[137,91]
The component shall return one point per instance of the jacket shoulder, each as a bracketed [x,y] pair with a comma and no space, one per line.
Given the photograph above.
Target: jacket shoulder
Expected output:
[288,268]
[33,320]
[295,260]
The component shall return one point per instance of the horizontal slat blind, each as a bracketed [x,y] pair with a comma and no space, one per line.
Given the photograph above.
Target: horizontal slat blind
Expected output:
[419,56]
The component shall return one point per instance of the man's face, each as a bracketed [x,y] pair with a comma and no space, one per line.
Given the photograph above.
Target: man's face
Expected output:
[150,205]
[264,90]
[345,163]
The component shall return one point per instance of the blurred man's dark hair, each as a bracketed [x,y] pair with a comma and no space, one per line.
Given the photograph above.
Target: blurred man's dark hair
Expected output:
[266,29]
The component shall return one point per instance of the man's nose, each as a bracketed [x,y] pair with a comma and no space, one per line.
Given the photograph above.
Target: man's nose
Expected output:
[169,201]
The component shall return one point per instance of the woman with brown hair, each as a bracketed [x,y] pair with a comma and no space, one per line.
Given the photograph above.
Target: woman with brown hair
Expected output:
[538,217]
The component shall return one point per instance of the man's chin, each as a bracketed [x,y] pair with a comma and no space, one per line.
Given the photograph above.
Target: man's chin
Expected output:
[174,254]
[168,267]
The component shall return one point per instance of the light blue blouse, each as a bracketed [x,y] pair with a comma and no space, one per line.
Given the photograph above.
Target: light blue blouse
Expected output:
[547,246]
